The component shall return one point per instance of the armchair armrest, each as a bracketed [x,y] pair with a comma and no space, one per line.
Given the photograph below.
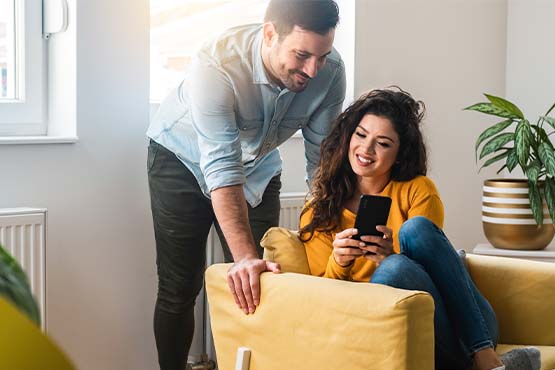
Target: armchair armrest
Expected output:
[522,294]
[307,322]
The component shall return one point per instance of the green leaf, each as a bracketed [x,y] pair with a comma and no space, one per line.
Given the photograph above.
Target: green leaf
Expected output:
[512,160]
[542,134]
[496,143]
[547,156]
[14,286]
[489,108]
[523,142]
[492,131]
[533,171]
[549,120]
[536,203]
[550,196]
[495,159]
[501,169]
[505,105]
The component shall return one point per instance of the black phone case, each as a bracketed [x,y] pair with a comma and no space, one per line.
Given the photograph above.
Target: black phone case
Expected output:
[373,210]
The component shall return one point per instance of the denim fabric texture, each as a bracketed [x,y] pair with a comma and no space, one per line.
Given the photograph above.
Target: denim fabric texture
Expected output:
[226,119]
[464,321]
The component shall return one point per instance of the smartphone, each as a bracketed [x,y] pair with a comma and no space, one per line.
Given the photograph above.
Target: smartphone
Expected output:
[373,210]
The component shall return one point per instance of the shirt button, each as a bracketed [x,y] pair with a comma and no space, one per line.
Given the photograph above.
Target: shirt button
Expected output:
[300,125]
[274,123]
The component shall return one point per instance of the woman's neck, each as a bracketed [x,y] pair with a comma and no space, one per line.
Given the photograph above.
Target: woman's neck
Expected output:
[372,185]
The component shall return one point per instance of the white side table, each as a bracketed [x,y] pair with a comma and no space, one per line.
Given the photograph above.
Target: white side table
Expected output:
[544,255]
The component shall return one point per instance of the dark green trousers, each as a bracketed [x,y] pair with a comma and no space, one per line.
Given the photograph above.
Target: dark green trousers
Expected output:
[182,218]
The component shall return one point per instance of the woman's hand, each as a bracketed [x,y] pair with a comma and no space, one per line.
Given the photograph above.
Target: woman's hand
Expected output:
[345,248]
[377,248]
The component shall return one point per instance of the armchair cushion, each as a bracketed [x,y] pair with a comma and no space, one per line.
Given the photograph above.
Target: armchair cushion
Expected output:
[284,247]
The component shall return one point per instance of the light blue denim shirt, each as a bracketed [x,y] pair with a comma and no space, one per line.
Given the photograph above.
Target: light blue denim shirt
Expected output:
[226,119]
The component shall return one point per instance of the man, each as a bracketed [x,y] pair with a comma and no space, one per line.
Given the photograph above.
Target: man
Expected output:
[213,155]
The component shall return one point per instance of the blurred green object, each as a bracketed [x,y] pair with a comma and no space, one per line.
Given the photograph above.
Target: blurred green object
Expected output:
[14,286]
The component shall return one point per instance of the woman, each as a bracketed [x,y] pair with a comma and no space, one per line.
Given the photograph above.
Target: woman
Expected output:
[376,147]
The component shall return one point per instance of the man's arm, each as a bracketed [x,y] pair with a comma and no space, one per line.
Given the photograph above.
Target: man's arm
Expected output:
[212,104]
[244,276]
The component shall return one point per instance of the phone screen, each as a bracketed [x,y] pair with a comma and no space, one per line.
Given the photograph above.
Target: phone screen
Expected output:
[373,210]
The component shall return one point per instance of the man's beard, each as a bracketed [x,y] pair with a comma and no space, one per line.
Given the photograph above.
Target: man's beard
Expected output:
[293,85]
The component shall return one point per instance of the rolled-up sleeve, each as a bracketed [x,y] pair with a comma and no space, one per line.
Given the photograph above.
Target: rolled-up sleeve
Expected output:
[212,106]
[320,122]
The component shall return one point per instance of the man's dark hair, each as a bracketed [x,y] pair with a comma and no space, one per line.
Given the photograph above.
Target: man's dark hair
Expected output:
[312,15]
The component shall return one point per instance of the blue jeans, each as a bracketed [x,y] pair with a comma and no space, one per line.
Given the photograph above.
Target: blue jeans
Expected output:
[464,321]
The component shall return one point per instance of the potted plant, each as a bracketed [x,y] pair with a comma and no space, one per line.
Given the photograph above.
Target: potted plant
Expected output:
[517,213]
[14,287]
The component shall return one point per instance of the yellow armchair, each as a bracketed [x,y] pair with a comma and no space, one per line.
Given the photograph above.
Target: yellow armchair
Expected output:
[23,346]
[307,322]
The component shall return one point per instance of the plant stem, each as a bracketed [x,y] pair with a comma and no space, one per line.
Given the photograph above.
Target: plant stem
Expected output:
[549,111]
[540,121]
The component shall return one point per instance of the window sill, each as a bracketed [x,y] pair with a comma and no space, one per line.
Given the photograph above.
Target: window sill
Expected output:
[21,140]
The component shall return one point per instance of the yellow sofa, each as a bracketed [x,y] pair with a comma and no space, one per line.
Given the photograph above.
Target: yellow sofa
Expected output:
[307,322]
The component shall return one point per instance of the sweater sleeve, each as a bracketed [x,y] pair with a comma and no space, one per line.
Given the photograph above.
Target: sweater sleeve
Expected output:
[425,201]
[319,251]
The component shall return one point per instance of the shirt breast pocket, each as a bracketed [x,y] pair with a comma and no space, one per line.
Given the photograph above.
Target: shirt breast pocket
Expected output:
[249,128]
[289,126]
[250,131]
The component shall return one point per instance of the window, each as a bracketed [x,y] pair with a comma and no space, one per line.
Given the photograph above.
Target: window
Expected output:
[7,50]
[179,27]
[22,66]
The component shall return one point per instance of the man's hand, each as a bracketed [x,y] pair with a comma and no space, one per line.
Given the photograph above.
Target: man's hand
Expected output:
[243,279]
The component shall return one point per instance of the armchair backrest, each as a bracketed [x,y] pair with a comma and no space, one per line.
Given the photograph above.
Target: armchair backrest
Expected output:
[522,294]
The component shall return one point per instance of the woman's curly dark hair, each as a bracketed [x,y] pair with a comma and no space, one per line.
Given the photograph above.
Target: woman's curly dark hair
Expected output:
[335,182]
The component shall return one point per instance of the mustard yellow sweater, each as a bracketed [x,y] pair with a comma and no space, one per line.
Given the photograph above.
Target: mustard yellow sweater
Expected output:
[417,197]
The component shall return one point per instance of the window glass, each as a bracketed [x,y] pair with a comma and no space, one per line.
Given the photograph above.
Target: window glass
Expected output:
[179,27]
[7,50]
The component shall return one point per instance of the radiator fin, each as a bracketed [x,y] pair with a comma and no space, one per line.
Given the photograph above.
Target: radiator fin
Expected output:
[23,235]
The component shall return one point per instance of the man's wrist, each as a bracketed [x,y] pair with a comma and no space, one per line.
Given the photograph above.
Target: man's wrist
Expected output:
[247,256]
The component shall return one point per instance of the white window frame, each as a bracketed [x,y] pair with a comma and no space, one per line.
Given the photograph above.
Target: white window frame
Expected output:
[58,76]
[25,115]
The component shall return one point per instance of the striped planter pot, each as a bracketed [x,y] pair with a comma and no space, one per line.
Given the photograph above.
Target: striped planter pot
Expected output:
[507,218]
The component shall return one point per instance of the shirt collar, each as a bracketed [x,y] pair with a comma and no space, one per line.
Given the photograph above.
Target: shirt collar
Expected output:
[258,72]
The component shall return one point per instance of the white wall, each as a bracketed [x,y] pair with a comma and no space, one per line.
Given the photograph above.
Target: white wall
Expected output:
[445,53]
[101,274]
[531,56]
[100,251]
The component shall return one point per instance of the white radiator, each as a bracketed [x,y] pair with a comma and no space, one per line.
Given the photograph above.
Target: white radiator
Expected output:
[291,206]
[23,235]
